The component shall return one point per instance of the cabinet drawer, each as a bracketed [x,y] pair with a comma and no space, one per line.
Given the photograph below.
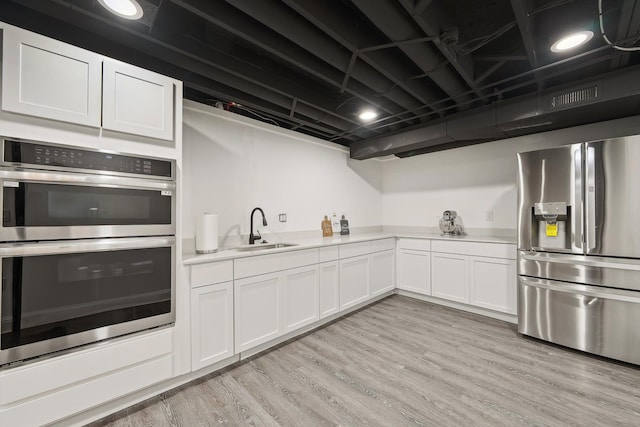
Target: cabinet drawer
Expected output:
[210,273]
[383,245]
[417,244]
[261,264]
[62,372]
[354,249]
[492,250]
[329,253]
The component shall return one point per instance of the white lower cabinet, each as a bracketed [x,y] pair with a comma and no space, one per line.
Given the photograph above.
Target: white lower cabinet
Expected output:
[414,271]
[382,272]
[211,324]
[450,277]
[270,305]
[300,297]
[354,281]
[329,292]
[493,284]
[465,276]
[258,313]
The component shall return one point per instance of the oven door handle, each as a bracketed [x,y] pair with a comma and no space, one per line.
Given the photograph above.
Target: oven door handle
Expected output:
[72,246]
[12,178]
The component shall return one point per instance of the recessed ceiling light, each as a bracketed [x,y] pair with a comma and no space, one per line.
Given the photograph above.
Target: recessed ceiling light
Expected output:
[368,115]
[127,9]
[572,41]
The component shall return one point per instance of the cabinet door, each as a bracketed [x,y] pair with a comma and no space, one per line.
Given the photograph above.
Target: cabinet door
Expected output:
[329,289]
[137,101]
[450,277]
[382,272]
[211,324]
[414,271]
[354,281]
[46,78]
[257,310]
[493,284]
[300,297]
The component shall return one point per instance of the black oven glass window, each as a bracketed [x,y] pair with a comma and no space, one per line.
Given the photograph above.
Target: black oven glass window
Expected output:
[45,297]
[42,205]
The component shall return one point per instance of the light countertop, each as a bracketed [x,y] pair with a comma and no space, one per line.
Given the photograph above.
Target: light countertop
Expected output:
[189,258]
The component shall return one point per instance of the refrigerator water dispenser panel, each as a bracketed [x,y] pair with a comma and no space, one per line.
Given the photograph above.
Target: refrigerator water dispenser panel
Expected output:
[550,226]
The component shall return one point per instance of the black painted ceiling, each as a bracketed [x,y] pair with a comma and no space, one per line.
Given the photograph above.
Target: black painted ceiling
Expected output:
[311,65]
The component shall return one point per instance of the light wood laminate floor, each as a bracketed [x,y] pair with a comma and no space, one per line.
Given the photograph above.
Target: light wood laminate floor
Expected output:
[405,362]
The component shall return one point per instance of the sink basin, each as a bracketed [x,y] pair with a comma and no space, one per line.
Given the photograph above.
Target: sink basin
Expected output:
[262,247]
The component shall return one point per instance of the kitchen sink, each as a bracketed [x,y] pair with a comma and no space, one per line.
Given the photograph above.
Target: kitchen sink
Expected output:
[262,247]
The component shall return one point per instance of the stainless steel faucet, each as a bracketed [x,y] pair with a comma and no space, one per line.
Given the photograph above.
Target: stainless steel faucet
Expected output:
[257,236]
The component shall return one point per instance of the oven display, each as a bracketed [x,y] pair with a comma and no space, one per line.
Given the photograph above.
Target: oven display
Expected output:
[75,158]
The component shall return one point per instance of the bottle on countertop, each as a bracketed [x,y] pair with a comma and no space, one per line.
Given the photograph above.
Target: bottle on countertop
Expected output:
[326,227]
[335,224]
[344,226]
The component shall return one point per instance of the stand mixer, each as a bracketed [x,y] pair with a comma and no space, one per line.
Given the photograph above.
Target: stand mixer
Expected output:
[449,225]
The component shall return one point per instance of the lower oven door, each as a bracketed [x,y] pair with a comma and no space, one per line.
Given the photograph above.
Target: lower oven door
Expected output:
[595,319]
[59,295]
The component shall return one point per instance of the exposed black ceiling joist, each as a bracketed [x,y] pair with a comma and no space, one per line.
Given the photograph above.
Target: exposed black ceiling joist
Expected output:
[311,65]
[360,43]
[428,23]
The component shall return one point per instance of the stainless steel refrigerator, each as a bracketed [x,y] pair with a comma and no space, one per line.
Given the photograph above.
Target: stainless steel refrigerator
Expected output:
[579,246]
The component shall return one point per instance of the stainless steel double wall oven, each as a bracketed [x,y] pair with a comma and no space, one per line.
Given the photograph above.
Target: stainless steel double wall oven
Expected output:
[87,246]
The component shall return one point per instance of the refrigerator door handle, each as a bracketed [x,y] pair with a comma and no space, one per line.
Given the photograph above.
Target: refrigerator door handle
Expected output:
[576,227]
[590,198]
[593,292]
[581,260]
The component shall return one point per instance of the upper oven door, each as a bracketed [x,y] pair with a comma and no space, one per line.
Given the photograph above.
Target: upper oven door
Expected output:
[44,205]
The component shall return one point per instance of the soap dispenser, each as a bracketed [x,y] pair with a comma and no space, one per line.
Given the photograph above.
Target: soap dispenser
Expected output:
[344,226]
[335,224]
[326,227]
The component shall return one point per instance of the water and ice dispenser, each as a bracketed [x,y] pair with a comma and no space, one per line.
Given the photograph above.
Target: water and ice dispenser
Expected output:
[551,226]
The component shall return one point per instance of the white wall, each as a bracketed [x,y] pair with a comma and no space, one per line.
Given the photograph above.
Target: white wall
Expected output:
[473,180]
[233,164]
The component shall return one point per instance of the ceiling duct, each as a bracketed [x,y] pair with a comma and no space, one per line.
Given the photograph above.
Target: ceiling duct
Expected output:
[611,96]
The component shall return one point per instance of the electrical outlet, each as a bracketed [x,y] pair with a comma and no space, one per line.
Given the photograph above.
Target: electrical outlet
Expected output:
[488,216]
[282,217]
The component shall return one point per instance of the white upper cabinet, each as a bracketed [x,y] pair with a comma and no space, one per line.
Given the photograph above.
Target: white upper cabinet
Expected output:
[137,101]
[46,78]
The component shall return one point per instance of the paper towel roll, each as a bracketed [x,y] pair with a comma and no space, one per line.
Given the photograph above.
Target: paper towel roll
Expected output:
[207,233]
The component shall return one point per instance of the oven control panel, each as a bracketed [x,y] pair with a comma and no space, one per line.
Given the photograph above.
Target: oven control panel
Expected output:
[31,153]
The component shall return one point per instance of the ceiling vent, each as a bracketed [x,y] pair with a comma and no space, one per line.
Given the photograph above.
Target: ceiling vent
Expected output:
[574,97]
[612,96]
